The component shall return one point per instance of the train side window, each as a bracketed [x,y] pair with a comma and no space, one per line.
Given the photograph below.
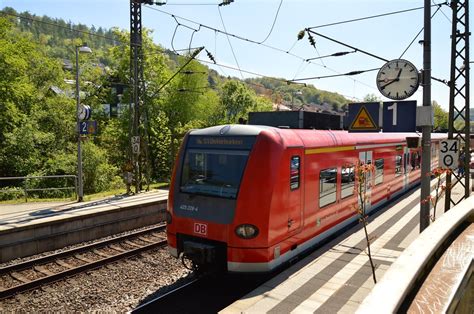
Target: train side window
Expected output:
[347,181]
[378,171]
[398,165]
[434,151]
[327,186]
[295,172]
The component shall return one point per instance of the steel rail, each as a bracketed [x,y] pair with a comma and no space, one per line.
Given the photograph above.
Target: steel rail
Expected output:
[81,268]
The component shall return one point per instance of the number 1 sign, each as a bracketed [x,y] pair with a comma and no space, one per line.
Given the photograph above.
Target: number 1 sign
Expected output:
[399,116]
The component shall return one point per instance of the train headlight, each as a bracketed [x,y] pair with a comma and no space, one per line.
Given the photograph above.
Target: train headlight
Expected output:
[168,218]
[246,231]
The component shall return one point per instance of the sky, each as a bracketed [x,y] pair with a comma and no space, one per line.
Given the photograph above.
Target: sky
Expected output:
[279,54]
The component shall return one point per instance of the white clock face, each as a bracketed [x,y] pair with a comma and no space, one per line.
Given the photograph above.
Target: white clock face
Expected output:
[83,112]
[398,79]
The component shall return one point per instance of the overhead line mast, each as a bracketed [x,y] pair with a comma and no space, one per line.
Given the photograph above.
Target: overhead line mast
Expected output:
[138,148]
[459,97]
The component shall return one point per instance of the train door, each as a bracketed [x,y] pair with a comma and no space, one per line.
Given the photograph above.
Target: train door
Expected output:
[295,195]
[406,166]
[366,158]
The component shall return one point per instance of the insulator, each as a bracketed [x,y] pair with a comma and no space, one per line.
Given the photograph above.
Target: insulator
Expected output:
[301,34]
[311,40]
[210,56]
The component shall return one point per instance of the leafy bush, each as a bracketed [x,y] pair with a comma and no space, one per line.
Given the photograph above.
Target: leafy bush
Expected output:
[11,193]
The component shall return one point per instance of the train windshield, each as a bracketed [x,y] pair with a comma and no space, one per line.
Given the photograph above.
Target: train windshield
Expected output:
[213,172]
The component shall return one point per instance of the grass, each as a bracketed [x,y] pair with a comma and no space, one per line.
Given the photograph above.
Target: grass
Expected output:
[87,197]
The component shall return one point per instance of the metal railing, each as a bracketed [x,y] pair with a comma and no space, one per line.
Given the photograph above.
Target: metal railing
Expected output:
[26,189]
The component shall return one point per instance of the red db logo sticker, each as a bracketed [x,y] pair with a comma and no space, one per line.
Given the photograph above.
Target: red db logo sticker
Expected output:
[200,228]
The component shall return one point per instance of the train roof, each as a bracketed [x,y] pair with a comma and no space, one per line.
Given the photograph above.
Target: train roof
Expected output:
[312,138]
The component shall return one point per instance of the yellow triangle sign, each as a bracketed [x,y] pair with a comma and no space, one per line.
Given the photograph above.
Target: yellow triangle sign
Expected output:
[363,121]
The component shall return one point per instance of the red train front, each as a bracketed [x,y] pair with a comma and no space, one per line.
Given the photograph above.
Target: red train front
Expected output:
[249,198]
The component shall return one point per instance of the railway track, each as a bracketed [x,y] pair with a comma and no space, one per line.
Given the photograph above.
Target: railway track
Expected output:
[205,293]
[31,274]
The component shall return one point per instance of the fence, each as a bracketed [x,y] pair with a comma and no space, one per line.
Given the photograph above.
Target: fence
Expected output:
[27,188]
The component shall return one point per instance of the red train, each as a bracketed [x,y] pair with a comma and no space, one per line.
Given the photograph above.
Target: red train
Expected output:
[249,198]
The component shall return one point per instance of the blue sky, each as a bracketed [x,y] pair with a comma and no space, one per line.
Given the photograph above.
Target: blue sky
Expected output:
[386,37]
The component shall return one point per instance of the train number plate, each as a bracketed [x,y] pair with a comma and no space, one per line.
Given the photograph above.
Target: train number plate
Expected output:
[200,228]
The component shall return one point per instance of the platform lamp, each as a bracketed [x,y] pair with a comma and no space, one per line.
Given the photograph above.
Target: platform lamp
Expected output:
[80,191]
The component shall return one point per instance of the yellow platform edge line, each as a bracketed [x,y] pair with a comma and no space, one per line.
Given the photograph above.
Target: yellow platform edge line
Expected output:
[328,150]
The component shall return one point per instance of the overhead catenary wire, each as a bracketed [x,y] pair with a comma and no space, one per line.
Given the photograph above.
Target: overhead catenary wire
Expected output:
[273,24]
[411,43]
[334,75]
[230,44]
[374,16]
[66,27]
[449,20]
[287,52]
[346,45]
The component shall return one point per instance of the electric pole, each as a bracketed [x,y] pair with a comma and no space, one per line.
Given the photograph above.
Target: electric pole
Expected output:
[426,129]
[138,146]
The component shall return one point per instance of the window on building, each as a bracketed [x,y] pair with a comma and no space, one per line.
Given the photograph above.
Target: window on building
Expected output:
[378,171]
[295,172]
[327,186]
[398,165]
[347,181]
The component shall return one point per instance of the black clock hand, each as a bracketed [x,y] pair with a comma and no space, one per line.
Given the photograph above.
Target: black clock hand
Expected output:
[398,75]
[391,81]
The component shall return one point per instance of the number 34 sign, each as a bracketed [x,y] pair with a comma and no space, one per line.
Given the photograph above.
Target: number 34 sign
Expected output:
[449,154]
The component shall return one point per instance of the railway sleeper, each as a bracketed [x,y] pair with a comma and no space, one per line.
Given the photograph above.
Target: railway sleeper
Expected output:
[43,270]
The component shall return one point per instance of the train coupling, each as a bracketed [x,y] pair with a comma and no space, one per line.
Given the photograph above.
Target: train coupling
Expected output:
[200,253]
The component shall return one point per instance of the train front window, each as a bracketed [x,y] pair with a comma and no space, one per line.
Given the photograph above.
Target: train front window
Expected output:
[213,172]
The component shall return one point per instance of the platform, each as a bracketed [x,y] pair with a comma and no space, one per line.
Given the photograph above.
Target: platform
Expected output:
[32,228]
[337,277]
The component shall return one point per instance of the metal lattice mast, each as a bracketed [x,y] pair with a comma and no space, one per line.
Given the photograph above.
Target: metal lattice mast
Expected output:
[459,123]
[137,85]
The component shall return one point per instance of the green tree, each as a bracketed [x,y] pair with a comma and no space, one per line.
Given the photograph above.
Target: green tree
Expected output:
[372,98]
[440,117]
[236,100]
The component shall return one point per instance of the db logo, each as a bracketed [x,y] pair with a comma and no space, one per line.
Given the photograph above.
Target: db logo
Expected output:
[200,228]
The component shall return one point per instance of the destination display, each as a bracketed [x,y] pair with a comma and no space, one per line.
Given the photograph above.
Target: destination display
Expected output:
[221,142]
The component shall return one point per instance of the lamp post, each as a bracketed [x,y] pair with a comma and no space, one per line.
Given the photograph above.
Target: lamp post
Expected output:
[80,192]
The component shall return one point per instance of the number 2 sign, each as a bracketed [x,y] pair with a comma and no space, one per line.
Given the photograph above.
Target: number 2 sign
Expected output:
[449,154]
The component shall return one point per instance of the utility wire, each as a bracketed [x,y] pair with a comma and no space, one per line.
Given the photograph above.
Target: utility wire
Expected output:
[65,27]
[245,39]
[274,21]
[374,16]
[449,20]
[336,54]
[346,45]
[335,75]
[192,57]
[230,44]
[250,72]
[411,43]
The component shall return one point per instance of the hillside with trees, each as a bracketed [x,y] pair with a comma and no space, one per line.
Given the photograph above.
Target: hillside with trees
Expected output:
[38,109]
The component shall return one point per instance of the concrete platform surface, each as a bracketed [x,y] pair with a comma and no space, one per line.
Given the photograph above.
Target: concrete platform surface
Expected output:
[337,277]
[13,216]
[28,229]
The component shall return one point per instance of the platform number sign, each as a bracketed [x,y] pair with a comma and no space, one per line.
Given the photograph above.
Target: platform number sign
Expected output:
[449,154]
[399,116]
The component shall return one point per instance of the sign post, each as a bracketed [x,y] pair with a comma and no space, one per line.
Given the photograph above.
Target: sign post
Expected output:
[364,117]
[136,145]
[449,154]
